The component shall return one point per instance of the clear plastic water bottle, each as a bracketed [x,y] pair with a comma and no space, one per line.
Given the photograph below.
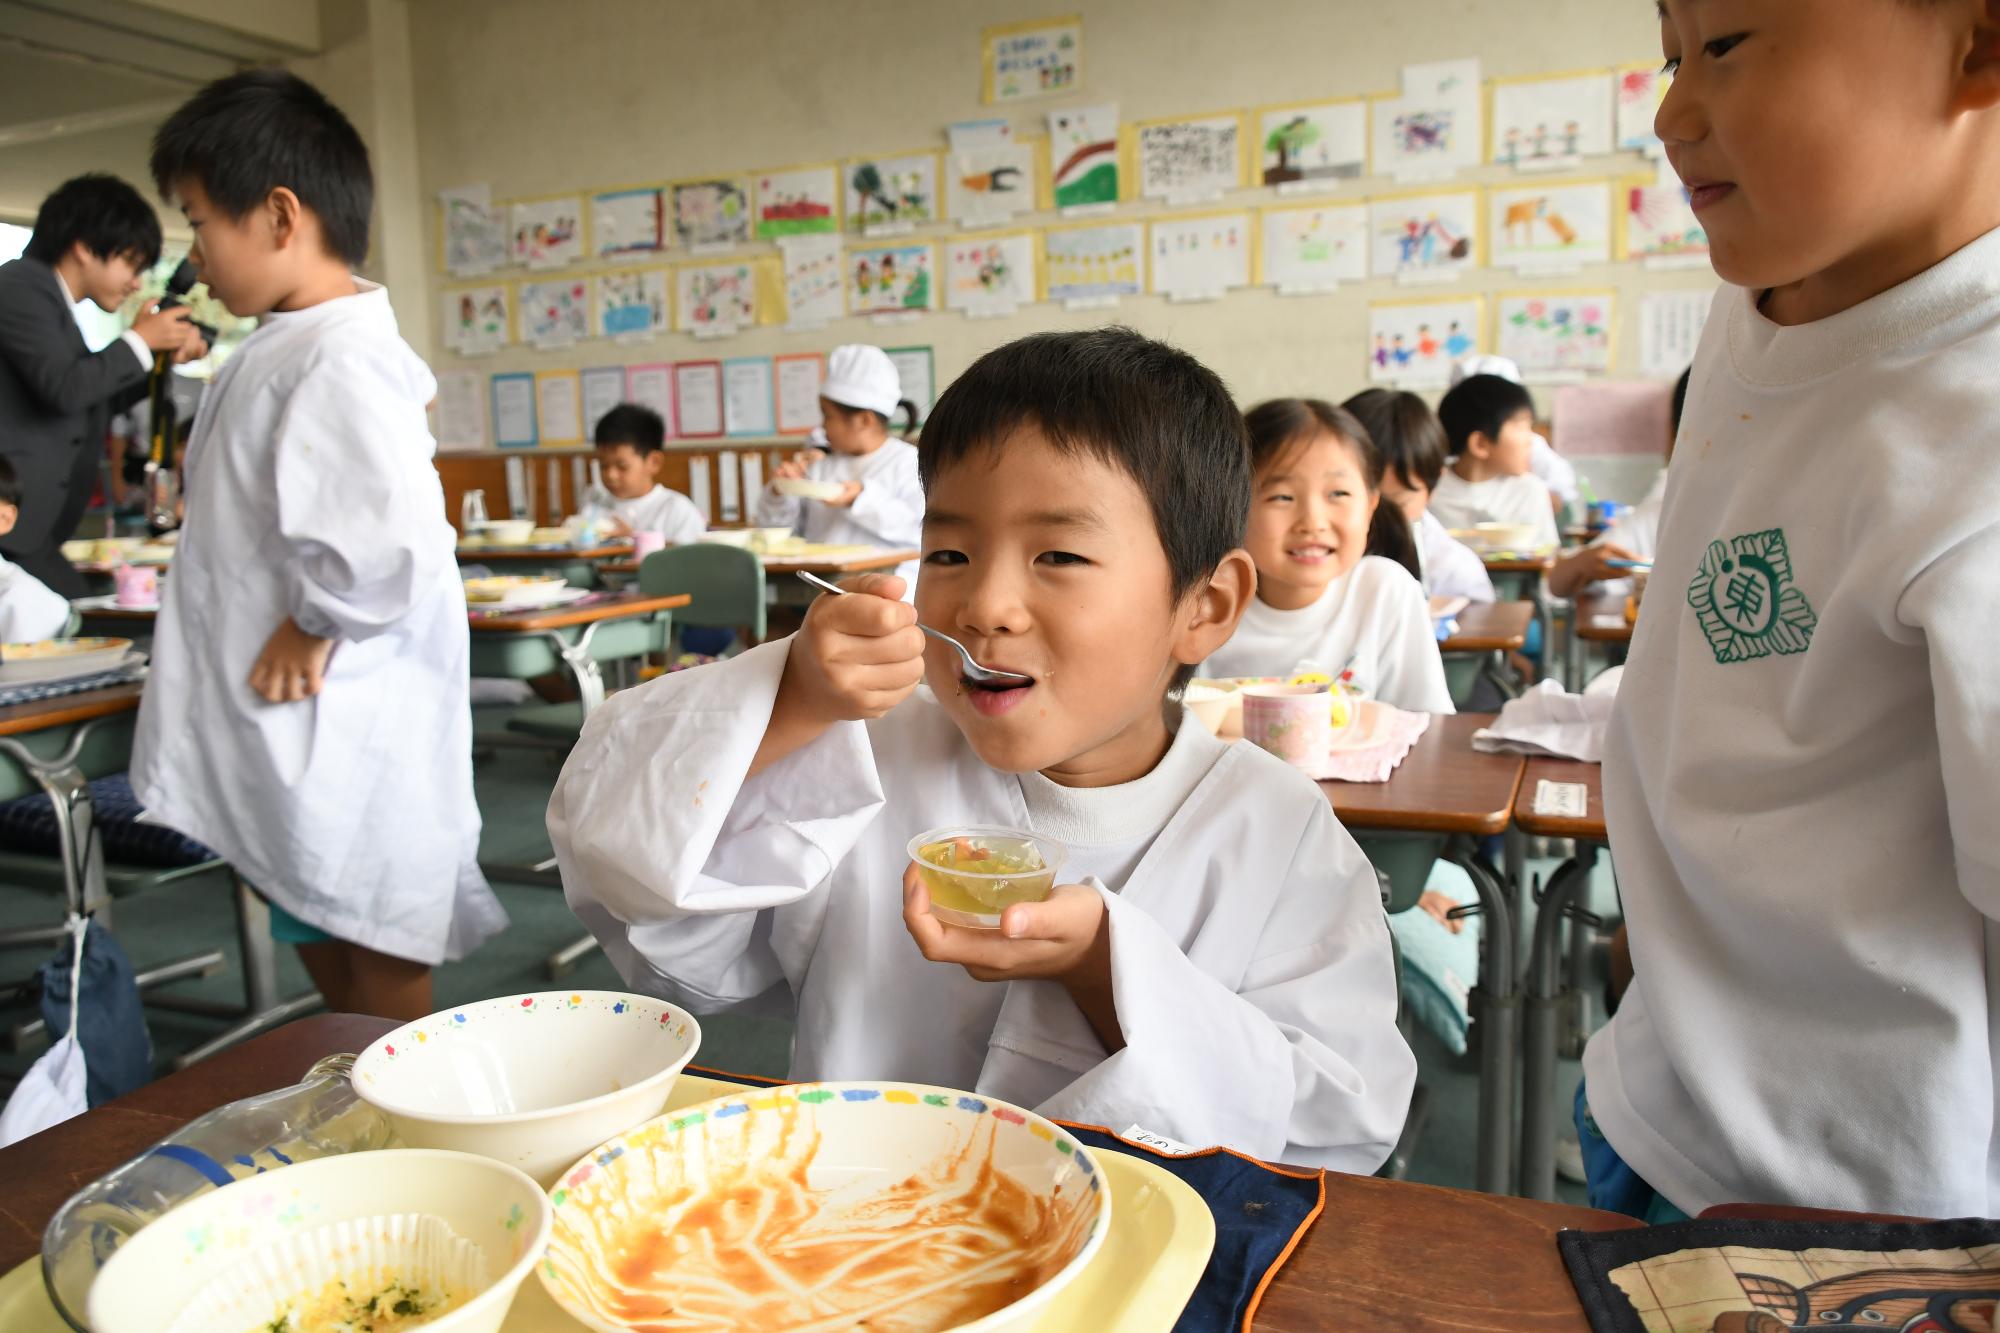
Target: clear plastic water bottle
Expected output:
[317,1117]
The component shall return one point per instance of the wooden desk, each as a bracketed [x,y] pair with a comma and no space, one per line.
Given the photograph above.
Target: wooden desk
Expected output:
[1384,1254]
[1594,618]
[503,555]
[1520,576]
[1443,786]
[613,607]
[70,709]
[1511,563]
[1490,627]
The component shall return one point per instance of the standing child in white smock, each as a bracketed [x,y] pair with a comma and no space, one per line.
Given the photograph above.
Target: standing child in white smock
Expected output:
[307,714]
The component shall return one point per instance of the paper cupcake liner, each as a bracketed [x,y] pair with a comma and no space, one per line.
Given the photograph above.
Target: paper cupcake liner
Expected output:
[411,1251]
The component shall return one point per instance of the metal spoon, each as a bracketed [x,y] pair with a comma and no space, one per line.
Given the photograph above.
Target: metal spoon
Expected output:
[972,671]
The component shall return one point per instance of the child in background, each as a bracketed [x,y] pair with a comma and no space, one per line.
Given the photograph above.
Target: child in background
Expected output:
[1215,966]
[881,501]
[631,444]
[30,610]
[1633,536]
[1412,445]
[1489,423]
[1555,471]
[1336,568]
[1800,772]
[307,712]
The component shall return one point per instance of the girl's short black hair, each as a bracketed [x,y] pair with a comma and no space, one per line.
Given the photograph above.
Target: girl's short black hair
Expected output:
[244,136]
[1481,405]
[1406,431]
[1138,404]
[633,424]
[107,215]
[1281,425]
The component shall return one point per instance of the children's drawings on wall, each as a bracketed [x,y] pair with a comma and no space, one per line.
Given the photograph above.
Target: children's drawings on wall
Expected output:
[548,233]
[475,232]
[632,305]
[1640,91]
[1315,248]
[1546,124]
[476,320]
[555,314]
[989,178]
[625,223]
[1416,343]
[1661,228]
[1303,146]
[799,201]
[1434,127]
[1424,237]
[1200,257]
[1095,263]
[812,280]
[1190,159]
[1083,155]
[892,192]
[1558,226]
[1035,59]
[1556,333]
[990,275]
[890,279]
[709,213]
[714,299]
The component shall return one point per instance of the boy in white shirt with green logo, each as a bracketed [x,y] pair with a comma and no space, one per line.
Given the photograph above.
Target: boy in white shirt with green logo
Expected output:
[1801,774]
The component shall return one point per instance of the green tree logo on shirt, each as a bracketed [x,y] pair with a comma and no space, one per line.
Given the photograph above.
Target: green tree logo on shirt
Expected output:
[1746,602]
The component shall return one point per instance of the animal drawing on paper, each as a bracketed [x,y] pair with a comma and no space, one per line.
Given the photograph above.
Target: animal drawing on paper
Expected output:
[1525,218]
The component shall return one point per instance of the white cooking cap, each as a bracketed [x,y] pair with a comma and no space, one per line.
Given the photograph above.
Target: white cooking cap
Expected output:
[858,375]
[1485,365]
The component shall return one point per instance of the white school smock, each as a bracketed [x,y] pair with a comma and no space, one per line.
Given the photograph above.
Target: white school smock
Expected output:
[664,511]
[1375,614]
[1462,504]
[30,610]
[311,494]
[1249,954]
[1451,568]
[889,512]
[1801,771]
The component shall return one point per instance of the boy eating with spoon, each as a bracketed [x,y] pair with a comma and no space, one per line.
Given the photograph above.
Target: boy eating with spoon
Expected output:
[1217,971]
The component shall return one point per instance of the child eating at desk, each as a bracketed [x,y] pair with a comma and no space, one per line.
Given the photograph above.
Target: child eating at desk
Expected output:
[1336,568]
[874,497]
[1799,777]
[1412,444]
[30,610]
[1216,968]
[1489,424]
[631,445]
[307,713]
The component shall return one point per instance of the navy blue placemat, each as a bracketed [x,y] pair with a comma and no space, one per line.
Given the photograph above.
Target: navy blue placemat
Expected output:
[34,691]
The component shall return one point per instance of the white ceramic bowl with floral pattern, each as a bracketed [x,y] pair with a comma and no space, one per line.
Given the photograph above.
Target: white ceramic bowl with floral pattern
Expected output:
[530,1080]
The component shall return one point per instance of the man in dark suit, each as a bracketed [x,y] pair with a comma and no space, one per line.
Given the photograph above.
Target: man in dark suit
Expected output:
[93,239]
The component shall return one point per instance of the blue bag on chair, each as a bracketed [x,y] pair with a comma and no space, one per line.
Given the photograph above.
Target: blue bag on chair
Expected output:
[117,1048]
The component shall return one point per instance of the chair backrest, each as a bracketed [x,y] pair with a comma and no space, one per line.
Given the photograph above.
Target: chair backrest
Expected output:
[726,584]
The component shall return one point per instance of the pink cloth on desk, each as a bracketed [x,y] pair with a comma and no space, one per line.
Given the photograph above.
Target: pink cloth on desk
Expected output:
[1376,762]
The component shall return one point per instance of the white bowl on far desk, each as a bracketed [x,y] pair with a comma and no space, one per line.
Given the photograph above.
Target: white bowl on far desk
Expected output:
[807,489]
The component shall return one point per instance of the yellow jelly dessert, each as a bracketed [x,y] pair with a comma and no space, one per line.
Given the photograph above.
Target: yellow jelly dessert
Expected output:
[981,875]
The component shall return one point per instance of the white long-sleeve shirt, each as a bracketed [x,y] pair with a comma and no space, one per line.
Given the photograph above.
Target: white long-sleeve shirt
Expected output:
[1374,620]
[1249,956]
[1459,503]
[30,610]
[311,494]
[666,512]
[1801,772]
[889,512]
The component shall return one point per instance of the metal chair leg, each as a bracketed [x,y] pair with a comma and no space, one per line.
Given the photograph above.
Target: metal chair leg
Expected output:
[564,960]
[1543,1006]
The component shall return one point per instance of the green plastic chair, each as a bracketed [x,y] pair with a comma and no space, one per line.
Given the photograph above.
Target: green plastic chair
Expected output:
[725,583]
[1461,677]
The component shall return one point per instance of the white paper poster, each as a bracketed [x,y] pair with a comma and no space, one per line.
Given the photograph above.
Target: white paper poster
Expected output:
[1315,248]
[725,467]
[1201,257]
[1670,325]
[652,386]
[556,313]
[461,410]
[753,474]
[514,410]
[699,490]
[477,320]
[1436,127]
[1183,160]
[698,397]
[914,368]
[812,280]
[558,409]
[799,379]
[1549,124]
[1545,227]
[475,233]
[547,232]
[603,389]
[989,275]
[1414,344]
[746,396]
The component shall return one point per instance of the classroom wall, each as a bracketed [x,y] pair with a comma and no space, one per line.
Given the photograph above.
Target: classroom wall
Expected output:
[594,93]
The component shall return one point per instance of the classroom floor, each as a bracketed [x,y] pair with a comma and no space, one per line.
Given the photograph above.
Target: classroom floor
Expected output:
[513,788]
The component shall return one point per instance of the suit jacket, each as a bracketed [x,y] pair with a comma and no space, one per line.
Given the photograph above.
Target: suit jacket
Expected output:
[56,401]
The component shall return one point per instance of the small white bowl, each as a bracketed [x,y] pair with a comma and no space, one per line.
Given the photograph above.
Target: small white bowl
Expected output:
[881,1154]
[807,489]
[504,531]
[156,1273]
[530,1080]
[739,537]
[1213,706]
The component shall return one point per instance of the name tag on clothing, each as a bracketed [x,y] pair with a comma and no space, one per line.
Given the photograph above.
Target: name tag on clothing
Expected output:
[1157,1142]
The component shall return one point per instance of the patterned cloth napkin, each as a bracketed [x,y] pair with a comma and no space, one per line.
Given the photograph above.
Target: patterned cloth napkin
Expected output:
[1374,763]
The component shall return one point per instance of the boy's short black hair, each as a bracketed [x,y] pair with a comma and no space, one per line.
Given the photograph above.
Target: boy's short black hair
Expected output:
[629,423]
[244,136]
[1140,405]
[1481,405]
[1406,432]
[107,215]
[10,484]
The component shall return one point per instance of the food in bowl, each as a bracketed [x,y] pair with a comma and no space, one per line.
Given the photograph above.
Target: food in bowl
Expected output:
[503,531]
[510,588]
[54,659]
[976,873]
[840,1205]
